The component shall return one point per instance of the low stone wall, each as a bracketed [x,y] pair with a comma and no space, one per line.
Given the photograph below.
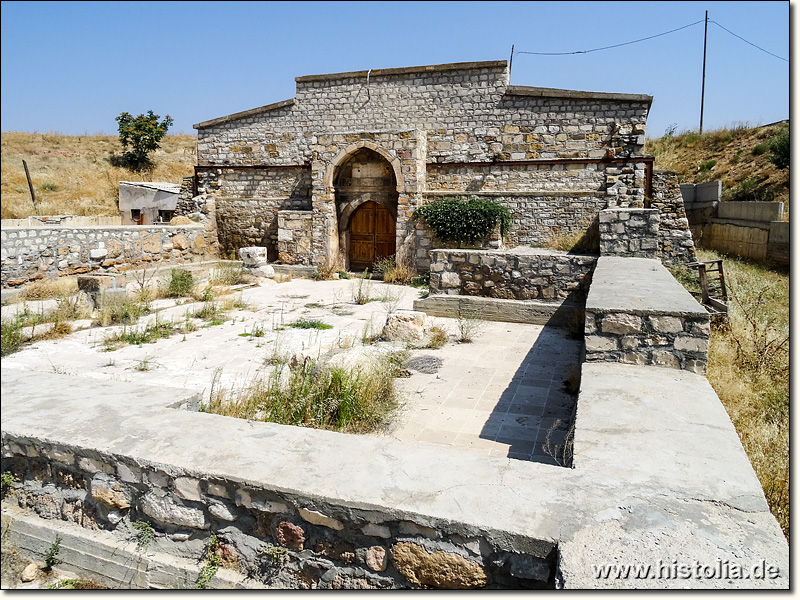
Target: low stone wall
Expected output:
[637,313]
[518,273]
[294,237]
[61,221]
[278,539]
[35,253]
[629,232]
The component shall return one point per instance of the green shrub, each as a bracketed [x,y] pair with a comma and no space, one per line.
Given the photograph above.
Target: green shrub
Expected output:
[180,284]
[707,165]
[779,148]
[464,221]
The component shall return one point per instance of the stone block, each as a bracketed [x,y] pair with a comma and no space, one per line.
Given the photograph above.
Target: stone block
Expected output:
[188,488]
[665,358]
[440,569]
[450,280]
[317,518]
[621,323]
[686,343]
[596,343]
[666,324]
[165,511]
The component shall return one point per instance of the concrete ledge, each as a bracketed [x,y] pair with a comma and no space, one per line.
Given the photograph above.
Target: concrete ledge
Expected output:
[687,496]
[639,286]
[538,92]
[470,66]
[492,309]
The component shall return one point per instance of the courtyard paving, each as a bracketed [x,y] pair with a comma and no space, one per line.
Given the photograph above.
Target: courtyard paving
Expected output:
[504,394]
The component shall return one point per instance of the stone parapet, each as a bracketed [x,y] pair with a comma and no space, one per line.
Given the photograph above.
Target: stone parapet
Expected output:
[519,273]
[637,313]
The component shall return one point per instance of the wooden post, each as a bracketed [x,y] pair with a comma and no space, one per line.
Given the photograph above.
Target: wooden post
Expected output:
[30,186]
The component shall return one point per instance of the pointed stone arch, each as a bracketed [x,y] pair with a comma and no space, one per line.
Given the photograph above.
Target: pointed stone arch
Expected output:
[344,154]
[363,185]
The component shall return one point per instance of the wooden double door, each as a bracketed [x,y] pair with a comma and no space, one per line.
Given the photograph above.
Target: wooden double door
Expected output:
[372,235]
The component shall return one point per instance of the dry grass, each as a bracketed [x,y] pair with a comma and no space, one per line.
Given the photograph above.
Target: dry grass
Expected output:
[749,369]
[74,175]
[736,156]
[585,239]
[50,288]
[351,400]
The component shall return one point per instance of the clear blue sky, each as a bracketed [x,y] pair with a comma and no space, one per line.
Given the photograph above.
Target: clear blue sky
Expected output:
[72,67]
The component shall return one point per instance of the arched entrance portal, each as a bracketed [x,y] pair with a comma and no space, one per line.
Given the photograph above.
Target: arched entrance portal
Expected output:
[372,235]
[366,208]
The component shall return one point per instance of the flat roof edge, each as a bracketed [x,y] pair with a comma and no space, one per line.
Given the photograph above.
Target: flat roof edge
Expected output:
[244,114]
[540,92]
[492,64]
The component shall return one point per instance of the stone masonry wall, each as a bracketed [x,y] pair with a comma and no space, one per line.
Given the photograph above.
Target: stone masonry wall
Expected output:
[277,538]
[35,253]
[466,130]
[531,274]
[294,237]
[629,232]
[674,341]
[675,243]
[469,111]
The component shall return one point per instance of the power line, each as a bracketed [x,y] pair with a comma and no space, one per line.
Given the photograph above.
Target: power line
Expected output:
[650,38]
[751,43]
[615,45]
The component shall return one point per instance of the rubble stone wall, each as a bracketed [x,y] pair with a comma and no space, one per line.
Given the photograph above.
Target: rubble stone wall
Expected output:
[276,538]
[534,274]
[35,253]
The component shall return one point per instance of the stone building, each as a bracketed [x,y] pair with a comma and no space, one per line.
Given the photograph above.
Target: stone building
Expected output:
[336,172]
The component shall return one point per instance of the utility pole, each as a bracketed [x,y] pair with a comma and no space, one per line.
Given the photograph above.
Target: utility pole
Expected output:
[703,92]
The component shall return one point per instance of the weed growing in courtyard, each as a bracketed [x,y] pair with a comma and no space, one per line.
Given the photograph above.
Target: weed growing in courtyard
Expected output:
[392,272]
[310,324]
[11,338]
[437,339]
[560,452]
[7,481]
[470,323]
[362,289]
[354,400]
[115,310]
[180,284]
[229,274]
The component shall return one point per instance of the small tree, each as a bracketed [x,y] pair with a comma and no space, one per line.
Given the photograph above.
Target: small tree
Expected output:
[141,134]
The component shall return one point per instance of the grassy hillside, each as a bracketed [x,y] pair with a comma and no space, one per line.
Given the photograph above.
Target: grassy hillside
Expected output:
[74,174]
[739,157]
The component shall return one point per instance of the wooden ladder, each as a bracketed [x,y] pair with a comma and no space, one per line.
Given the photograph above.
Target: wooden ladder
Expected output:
[713,294]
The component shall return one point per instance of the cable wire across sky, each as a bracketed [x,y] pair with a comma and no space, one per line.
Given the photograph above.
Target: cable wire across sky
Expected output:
[649,38]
